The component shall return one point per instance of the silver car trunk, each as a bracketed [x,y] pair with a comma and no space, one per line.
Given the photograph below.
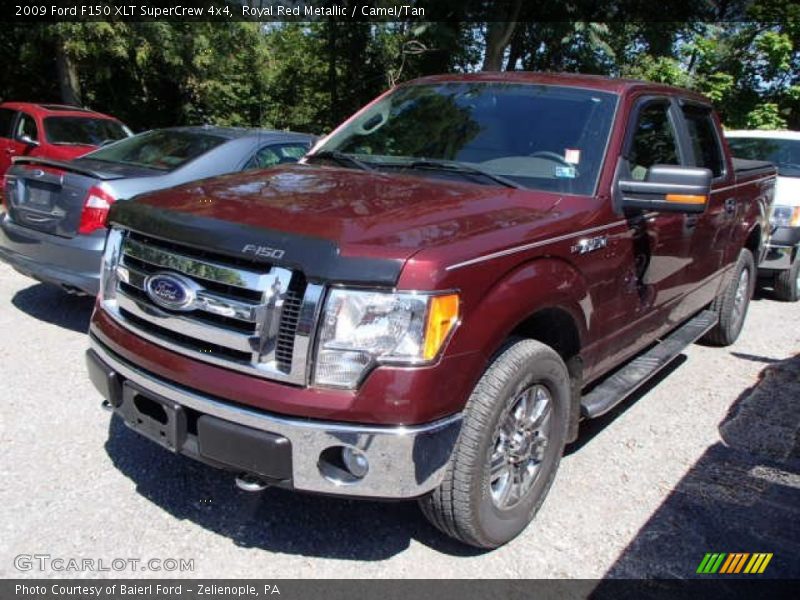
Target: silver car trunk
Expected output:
[49,195]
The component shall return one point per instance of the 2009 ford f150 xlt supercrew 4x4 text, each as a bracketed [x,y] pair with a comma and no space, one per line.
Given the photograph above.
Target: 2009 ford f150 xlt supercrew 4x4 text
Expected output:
[430,302]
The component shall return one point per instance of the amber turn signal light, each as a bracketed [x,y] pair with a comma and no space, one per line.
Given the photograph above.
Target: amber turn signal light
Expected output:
[687,199]
[442,317]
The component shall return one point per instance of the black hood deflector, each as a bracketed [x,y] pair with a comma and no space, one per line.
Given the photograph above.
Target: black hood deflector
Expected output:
[319,259]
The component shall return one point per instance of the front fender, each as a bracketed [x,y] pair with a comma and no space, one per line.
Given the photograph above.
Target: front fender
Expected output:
[493,313]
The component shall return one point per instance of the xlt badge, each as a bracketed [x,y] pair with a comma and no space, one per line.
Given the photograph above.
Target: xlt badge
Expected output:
[587,245]
[263,251]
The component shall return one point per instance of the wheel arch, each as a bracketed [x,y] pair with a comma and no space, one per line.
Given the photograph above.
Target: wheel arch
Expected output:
[546,299]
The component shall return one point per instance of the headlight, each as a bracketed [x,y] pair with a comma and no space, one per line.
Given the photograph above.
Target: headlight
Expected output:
[785,216]
[361,328]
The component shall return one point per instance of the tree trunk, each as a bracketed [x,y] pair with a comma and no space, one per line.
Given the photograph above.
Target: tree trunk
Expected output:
[67,75]
[498,35]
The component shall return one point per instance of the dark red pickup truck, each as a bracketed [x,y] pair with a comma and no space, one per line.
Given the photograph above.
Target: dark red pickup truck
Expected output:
[430,302]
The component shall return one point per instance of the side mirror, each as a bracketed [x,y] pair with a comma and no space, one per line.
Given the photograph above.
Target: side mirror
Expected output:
[668,188]
[26,139]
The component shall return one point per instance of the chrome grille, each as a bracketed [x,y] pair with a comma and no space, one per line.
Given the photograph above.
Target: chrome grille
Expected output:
[246,316]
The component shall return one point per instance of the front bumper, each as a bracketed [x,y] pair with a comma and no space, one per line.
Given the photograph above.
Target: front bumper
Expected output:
[72,262]
[404,462]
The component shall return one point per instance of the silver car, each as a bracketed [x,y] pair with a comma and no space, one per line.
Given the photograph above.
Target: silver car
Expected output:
[53,227]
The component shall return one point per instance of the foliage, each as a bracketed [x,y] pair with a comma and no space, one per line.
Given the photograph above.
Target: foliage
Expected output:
[310,76]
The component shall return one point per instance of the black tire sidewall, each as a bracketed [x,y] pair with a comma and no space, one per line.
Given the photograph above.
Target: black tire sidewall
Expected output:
[746,261]
[500,525]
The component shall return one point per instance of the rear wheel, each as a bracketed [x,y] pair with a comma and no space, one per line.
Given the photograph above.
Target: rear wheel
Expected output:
[787,283]
[733,301]
[510,446]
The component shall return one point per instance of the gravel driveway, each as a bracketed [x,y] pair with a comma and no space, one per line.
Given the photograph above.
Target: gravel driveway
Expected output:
[706,459]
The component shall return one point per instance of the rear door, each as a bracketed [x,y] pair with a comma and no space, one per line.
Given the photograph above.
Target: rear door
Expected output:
[714,227]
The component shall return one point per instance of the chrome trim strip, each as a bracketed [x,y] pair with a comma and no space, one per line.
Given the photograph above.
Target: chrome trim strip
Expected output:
[735,185]
[269,318]
[187,326]
[404,461]
[532,245]
[305,334]
[205,300]
[193,267]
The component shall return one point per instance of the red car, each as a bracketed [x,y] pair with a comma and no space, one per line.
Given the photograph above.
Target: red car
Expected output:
[52,131]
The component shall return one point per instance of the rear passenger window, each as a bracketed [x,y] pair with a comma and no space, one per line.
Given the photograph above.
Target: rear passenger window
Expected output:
[6,122]
[654,141]
[704,140]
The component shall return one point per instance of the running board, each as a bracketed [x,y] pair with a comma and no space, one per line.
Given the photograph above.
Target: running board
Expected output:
[628,378]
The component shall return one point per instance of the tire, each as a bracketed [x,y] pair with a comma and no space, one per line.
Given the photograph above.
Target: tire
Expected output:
[473,506]
[787,283]
[732,303]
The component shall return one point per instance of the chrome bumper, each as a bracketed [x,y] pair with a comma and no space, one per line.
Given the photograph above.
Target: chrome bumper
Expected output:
[404,462]
[778,258]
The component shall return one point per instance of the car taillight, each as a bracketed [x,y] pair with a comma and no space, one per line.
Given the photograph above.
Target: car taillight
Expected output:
[95,210]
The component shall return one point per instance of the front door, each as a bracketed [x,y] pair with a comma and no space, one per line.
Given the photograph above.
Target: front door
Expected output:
[657,250]
[7,118]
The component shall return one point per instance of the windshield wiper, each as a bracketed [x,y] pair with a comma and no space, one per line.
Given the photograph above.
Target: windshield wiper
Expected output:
[460,167]
[341,158]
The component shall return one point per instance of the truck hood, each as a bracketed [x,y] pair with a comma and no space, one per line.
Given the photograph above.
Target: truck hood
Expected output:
[313,215]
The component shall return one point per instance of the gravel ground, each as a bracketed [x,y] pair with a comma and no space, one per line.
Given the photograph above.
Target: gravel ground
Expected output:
[705,459]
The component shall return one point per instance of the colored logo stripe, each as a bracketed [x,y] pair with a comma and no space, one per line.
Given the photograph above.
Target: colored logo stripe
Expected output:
[711,562]
[723,563]
[735,562]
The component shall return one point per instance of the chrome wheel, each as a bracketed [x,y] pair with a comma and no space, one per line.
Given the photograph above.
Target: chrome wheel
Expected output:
[519,446]
[742,296]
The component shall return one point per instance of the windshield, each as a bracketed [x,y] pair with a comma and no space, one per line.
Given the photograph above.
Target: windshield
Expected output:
[163,150]
[84,131]
[784,154]
[542,137]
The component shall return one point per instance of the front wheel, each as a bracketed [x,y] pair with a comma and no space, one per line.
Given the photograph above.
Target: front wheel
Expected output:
[733,301]
[787,283]
[510,446]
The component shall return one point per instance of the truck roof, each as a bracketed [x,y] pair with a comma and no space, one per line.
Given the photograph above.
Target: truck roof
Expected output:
[595,82]
[772,134]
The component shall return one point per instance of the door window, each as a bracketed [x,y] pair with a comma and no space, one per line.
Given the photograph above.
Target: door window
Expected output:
[654,141]
[704,140]
[27,127]
[6,122]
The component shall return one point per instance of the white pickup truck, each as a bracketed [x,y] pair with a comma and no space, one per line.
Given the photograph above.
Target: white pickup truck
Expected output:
[782,260]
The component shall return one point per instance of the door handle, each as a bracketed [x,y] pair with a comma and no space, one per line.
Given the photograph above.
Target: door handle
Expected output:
[730,206]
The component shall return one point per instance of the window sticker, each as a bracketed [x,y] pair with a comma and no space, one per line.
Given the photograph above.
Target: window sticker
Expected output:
[572,156]
[565,172]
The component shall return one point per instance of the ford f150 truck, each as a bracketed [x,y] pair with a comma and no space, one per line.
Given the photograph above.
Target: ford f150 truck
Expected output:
[433,299]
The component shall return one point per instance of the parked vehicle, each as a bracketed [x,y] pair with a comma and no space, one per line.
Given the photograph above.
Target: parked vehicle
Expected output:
[781,264]
[430,302]
[54,229]
[52,131]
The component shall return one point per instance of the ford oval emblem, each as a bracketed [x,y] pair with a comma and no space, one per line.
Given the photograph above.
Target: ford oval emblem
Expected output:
[171,291]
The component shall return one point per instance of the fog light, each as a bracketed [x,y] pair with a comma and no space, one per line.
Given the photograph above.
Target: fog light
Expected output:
[355,462]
